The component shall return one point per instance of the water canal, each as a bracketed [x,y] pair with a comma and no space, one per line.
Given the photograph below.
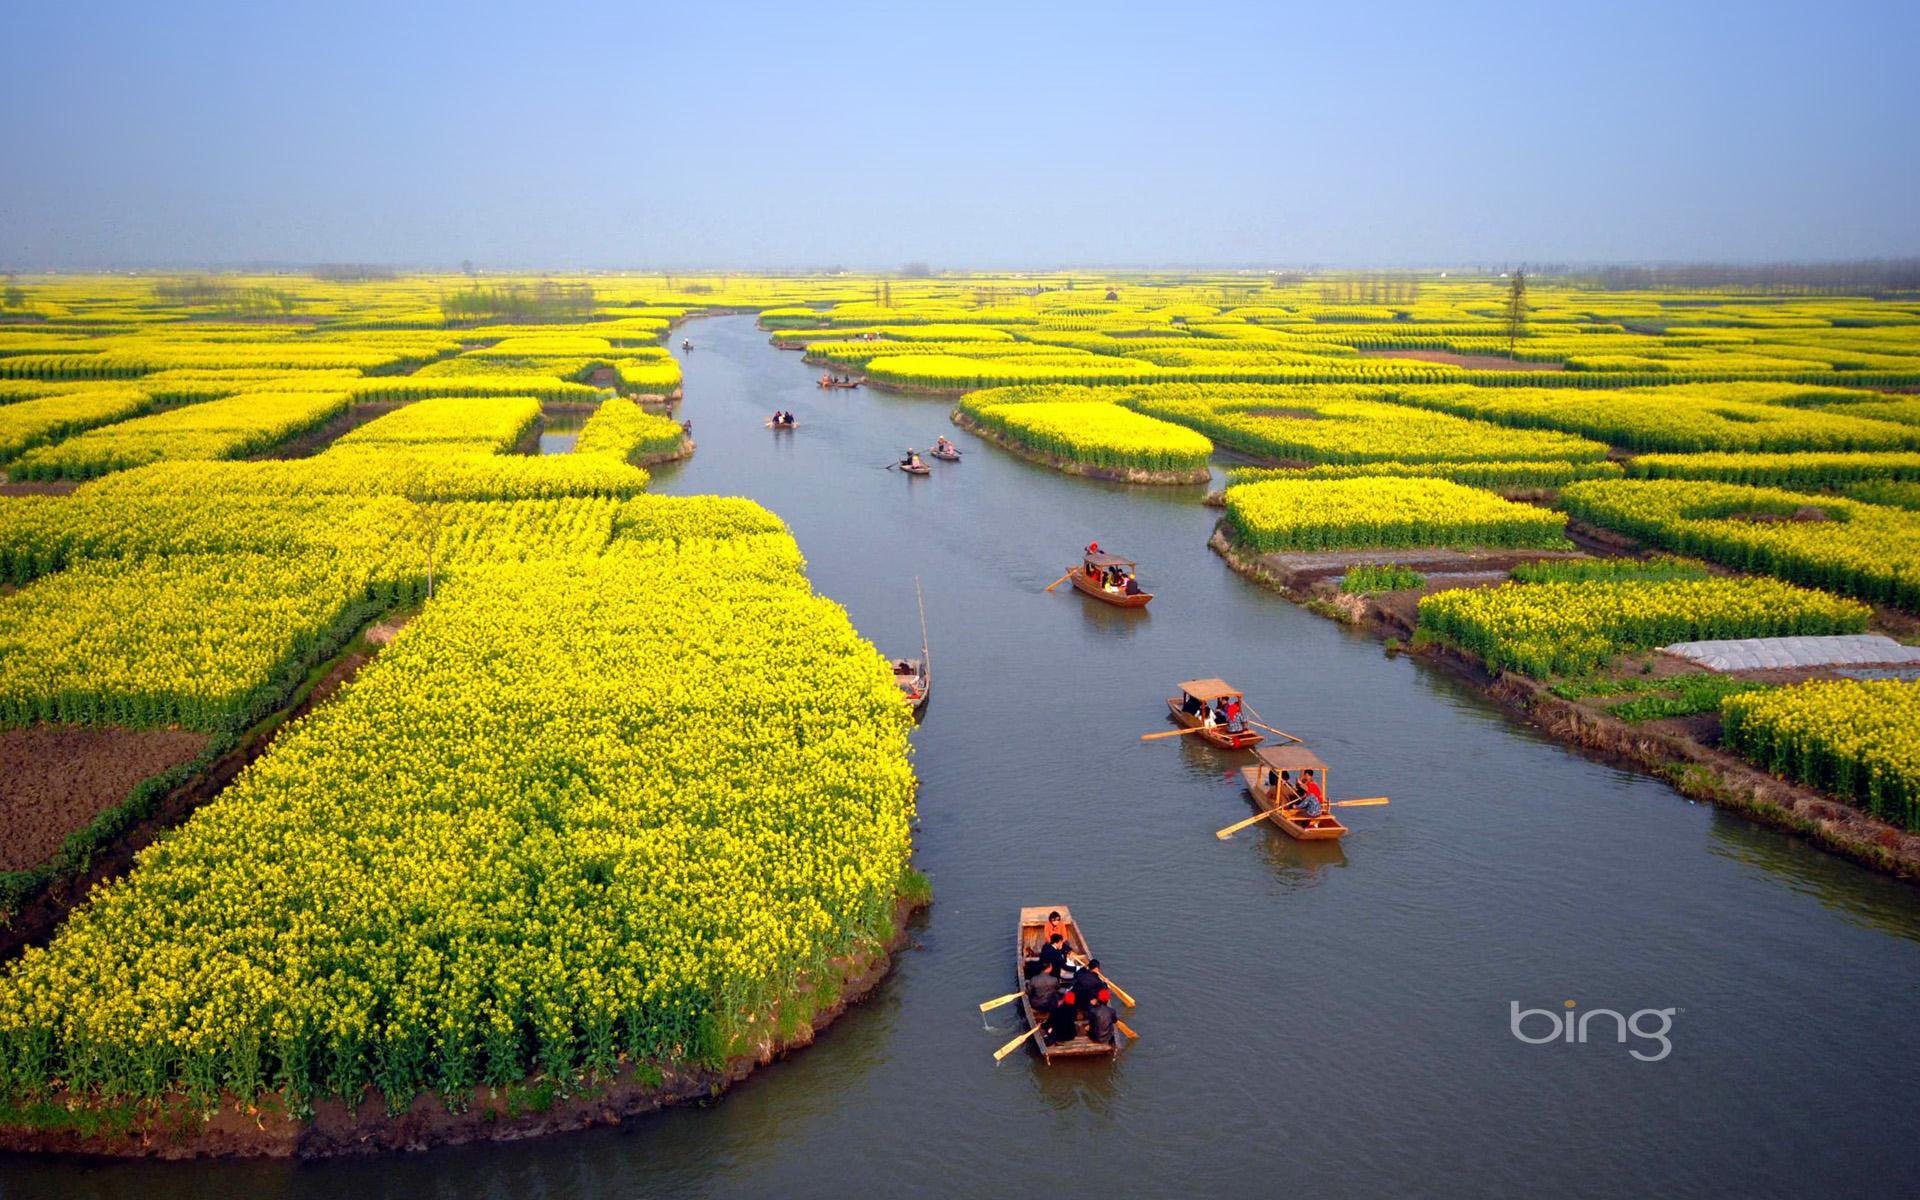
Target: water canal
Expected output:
[1314,1021]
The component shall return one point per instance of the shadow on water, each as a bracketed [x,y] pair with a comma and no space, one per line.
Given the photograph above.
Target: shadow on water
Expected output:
[1370,980]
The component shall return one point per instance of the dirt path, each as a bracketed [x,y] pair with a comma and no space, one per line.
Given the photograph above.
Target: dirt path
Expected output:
[55,779]
[1472,362]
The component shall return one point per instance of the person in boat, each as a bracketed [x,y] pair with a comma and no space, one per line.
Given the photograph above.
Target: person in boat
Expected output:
[1063,1022]
[1313,800]
[1191,706]
[786,418]
[1043,989]
[1220,711]
[1235,722]
[1053,955]
[1101,1018]
[1132,586]
[943,446]
[1088,978]
[1056,924]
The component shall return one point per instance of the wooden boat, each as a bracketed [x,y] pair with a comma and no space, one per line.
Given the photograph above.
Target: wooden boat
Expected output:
[1027,940]
[1288,761]
[1089,578]
[787,426]
[829,382]
[949,456]
[914,676]
[1206,691]
[915,469]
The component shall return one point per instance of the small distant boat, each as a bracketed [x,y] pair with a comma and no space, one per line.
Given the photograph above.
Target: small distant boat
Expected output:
[786,426]
[686,343]
[914,676]
[1092,574]
[828,381]
[1027,939]
[1204,692]
[1286,762]
[916,468]
[945,455]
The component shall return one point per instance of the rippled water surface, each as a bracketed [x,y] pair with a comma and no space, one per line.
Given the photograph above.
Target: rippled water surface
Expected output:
[1321,1020]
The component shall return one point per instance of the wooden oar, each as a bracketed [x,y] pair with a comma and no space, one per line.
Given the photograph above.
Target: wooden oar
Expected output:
[1148,737]
[1116,988]
[1013,1045]
[1261,722]
[1364,802]
[1056,583]
[1236,827]
[997,1001]
[1127,1029]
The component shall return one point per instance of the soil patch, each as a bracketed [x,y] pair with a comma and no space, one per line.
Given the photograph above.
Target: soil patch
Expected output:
[314,441]
[39,487]
[41,913]
[1472,362]
[55,779]
[1069,467]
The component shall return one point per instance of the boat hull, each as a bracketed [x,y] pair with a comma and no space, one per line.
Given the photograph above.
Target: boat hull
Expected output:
[1324,828]
[1026,936]
[1218,735]
[1091,587]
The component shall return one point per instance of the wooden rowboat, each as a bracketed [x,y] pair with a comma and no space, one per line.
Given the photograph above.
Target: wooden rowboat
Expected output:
[1206,691]
[838,383]
[953,456]
[783,426]
[1288,762]
[1090,575]
[1028,937]
[914,676]
[921,469]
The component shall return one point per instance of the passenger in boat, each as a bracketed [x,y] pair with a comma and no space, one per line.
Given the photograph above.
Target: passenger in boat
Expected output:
[1314,802]
[1132,587]
[1063,1023]
[1220,712]
[1089,979]
[1054,954]
[1191,706]
[1043,989]
[787,419]
[1235,723]
[1101,1018]
[1056,924]
[944,446]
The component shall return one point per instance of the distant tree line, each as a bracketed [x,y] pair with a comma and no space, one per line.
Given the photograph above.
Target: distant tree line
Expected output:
[350,272]
[199,291]
[1877,276]
[544,301]
[1378,288]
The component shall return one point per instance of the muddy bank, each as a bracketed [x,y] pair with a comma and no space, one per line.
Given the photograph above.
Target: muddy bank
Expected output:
[1069,467]
[684,450]
[173,1128]
[1683,751]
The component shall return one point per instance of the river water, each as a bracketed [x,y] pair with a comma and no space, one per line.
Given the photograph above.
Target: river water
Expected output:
[1333,1020]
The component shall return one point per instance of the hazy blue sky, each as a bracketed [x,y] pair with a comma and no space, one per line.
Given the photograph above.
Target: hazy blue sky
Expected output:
[966,134]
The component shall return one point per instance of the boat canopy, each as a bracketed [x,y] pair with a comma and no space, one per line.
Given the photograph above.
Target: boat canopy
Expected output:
[1104,559]
[1290,758]
[1209,689]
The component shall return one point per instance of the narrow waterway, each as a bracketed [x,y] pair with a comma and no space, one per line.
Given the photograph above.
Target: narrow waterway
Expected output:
[1313,1020]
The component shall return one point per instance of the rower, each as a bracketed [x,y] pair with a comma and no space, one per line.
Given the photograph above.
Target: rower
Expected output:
[1100,1017]
[1063,1023]
[1043,990]
[1054,953]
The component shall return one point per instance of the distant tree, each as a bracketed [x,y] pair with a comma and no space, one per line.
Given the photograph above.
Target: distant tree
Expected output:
[917,270]
[1516,312]
[466,266]
[14,296]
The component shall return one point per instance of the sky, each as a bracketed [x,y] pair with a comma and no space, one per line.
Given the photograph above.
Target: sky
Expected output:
[976,135]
